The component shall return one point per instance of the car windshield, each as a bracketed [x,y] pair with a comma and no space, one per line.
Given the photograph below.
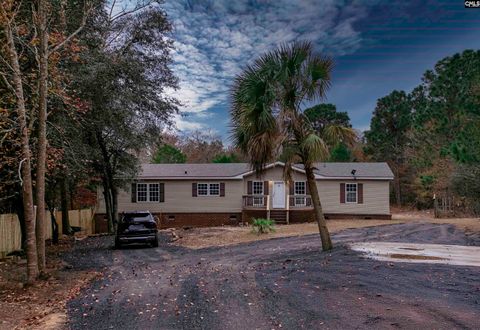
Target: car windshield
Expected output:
[134,217]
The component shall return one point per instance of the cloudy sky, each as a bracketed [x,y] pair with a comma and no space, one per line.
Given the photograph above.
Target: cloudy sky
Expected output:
[377,46]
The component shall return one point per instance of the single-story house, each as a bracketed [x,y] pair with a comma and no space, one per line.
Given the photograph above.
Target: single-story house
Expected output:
[216,194]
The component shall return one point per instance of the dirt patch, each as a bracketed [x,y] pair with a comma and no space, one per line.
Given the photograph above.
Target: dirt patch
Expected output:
[414,257]
[196,238]
[43,305]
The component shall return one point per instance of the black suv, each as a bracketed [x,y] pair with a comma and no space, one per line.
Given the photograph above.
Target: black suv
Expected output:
[136,227]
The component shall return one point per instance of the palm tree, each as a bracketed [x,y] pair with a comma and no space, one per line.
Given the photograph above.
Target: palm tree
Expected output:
[267,101]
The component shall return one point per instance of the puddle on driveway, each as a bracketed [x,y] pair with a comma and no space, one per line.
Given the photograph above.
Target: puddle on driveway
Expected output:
[420,253]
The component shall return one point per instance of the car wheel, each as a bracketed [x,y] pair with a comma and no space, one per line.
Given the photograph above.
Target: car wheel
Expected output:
[155,242]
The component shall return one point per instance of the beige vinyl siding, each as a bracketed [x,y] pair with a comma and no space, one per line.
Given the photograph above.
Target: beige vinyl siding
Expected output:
[375,197]
[178,198]
[271,175]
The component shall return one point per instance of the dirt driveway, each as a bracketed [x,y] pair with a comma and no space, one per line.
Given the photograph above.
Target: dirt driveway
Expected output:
[279,283]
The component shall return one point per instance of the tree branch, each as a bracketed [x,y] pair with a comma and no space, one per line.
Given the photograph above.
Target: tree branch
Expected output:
[133,10]
[87,10]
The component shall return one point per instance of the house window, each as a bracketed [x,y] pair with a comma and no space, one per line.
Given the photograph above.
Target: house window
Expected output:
[202,189]
[257,189]
[208,189]
[142,192]
[148,192]
[300,189]
[351,192]
[154,192]
[214,189]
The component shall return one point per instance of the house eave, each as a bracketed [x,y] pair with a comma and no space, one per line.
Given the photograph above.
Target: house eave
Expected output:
[377,178]
[189,178]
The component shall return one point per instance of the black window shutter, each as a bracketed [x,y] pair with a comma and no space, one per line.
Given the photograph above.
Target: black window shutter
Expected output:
[307,188]
[249,187]
[162,193]
[134,192]
[265,187]
[342,193]
[360,193]
[194,189]
[222,189]
[292,187]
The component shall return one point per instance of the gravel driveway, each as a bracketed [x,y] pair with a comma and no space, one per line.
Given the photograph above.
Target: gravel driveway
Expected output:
[280,283]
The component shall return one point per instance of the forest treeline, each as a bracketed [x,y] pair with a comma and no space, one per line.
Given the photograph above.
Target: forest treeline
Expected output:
[431,136]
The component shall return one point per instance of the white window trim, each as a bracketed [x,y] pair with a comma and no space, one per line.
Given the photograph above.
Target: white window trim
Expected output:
[303,198]
[261,184]
[295,190]
[158,192]
[208,189]
[138,191]
[356,193]
[148,192]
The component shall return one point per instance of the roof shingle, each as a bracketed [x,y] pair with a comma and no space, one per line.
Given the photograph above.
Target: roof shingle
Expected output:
[176,171]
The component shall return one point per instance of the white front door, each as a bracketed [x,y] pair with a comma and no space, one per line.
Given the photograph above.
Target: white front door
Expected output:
[278,195]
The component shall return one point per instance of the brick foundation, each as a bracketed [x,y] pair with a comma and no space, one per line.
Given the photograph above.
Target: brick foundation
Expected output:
[358,216]
[248,215]
[309,216]
[178,220]
[301,216]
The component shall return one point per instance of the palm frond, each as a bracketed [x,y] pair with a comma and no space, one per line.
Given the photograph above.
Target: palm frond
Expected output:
[265,104]
[334,134]
[314,148]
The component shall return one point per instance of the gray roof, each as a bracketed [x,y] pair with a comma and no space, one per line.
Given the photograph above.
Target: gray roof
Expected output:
[334,170]
[193,170]
[364,170]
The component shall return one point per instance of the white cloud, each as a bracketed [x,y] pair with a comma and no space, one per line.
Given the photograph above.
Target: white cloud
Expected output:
[215,39]
[183,124]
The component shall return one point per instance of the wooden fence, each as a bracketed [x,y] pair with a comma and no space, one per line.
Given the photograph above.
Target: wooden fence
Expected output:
[10,233]
[444,206]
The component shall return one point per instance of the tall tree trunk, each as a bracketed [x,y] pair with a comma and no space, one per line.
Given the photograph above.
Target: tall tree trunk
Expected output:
[108,203]
[396,182]
[66,230]
[21,219]
[322,223]
[114,208]
[108,184]
[27,192]
[53,221]
[42,133]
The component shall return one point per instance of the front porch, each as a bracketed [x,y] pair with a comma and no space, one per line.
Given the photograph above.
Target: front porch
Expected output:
[276,208]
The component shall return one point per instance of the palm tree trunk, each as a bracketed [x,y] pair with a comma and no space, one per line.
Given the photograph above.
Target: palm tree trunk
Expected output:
[42,135]
[27,192]
[317,206]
